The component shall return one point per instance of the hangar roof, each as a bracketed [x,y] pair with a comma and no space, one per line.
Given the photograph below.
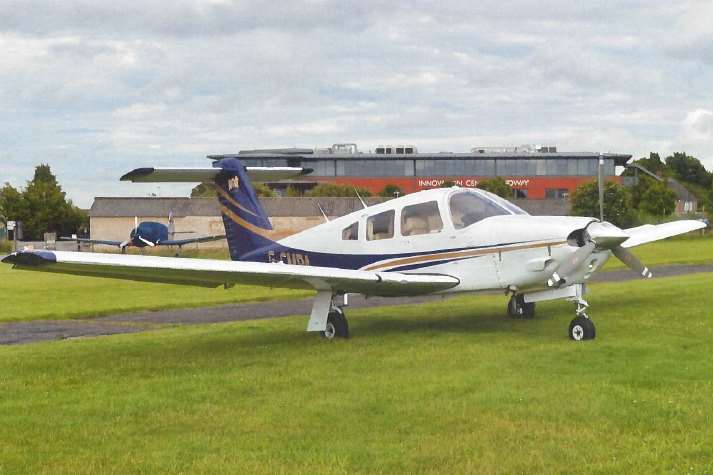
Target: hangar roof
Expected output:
[143,206]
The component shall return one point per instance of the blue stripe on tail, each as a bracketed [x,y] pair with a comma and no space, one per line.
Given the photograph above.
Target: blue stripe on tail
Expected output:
[247,226]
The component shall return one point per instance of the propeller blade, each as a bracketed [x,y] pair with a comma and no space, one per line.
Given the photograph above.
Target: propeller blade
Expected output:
[631,261]
[571,264]
[136,222]
[124,244]
[147,242]
[600,186]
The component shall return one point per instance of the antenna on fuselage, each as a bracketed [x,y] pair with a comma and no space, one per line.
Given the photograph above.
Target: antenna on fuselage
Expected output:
[360,199]
[324,215]
[600,186]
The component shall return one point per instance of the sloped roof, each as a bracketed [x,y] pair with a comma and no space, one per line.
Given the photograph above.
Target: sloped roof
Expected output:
[142,206]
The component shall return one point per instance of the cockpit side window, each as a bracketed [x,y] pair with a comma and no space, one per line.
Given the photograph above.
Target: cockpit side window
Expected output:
[380,226]
[422,218]
[351,232]
[468,208]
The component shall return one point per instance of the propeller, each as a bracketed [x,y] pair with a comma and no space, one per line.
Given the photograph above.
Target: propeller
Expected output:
[146,241]
[597,236]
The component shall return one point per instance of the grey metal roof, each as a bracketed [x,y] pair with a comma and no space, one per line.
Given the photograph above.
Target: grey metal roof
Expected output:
[142,206]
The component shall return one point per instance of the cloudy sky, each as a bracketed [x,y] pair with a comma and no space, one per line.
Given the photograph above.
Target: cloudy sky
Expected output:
[96,88]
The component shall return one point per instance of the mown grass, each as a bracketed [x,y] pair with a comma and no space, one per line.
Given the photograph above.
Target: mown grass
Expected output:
[688,249]
[31,295]
[448,387]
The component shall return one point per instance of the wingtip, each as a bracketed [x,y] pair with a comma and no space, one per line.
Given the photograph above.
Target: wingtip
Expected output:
[137,173]
[30,258]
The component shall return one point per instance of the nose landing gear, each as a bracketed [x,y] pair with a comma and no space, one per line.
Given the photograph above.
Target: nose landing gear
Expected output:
[581,327]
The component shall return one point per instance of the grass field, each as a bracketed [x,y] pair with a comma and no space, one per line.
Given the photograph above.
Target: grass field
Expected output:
[36,295]
[452,386]
[691,249]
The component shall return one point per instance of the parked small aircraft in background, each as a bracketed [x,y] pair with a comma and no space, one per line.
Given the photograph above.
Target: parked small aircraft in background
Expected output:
[436,241]
[149,234]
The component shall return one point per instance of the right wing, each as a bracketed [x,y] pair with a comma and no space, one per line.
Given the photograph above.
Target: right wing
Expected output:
[213,273]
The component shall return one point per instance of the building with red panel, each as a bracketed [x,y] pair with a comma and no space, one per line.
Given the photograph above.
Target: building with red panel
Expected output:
[533,171]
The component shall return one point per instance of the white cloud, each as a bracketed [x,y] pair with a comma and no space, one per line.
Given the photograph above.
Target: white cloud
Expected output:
[96,88]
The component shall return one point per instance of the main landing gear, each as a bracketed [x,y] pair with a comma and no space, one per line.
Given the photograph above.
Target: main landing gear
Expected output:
[581,327]
[327,318]
[518,308]
[337,325]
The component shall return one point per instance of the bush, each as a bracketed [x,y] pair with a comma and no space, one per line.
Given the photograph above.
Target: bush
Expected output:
[330,189]
[497,186]
[617,203]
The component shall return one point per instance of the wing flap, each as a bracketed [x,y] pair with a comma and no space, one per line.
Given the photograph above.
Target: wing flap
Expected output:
[213,273]
[650,232]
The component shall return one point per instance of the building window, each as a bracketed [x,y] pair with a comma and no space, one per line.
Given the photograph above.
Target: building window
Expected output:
[451,167]
[422,218]
[381,167]
[351,233]
[520,194]
[380,226]
[556,193]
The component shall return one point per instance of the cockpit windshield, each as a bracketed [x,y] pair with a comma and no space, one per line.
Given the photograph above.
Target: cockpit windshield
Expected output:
[468,207]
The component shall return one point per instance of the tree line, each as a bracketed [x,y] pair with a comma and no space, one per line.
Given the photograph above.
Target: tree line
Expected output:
[649,199]
[42,207]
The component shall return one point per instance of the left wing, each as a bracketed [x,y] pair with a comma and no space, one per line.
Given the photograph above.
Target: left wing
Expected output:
[213,273]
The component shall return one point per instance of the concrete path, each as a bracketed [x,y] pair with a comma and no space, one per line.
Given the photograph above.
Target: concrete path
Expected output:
[41,330]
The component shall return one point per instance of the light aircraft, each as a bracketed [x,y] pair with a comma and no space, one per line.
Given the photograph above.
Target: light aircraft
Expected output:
[149,234]
[439,241]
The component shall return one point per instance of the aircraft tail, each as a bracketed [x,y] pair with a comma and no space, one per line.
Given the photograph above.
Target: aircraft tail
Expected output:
[247,226]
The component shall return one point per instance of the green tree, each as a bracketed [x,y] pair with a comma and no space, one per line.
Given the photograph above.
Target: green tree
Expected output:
[496,185]
[12,204]
[617,203]
[652,163]
[49,210]
[331,189]
[658,200]
[203,190]
[292,192]
[390,191]
[688,168]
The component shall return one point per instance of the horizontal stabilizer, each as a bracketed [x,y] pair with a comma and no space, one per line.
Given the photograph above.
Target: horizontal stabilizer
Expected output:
[212,273]
[207,174]
[650,232]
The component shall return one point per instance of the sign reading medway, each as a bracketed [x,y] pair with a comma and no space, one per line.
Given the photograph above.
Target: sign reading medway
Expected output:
[468,182]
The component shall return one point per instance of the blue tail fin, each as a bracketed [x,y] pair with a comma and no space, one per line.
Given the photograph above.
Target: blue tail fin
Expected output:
[247,226]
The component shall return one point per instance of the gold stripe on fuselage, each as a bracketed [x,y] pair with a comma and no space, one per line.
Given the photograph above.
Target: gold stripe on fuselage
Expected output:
[457,255]
[232,201]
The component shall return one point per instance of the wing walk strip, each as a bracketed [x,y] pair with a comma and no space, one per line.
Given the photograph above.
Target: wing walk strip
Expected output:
[453,255]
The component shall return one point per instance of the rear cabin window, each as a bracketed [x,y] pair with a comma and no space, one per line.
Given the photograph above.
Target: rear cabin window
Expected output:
[422,218]
[469,208]
[351,233]
[380,226]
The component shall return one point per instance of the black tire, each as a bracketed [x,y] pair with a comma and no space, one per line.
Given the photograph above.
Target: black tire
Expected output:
[337,326]
[582,328]
[518,308]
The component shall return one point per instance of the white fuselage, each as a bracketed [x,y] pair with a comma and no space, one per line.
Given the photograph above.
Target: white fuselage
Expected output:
[509,251]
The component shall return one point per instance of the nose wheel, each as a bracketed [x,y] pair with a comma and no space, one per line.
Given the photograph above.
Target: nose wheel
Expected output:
[581,327]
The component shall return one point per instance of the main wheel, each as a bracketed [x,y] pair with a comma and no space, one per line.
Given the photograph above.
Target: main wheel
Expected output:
[518,308]
[582,328]
[337,326]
